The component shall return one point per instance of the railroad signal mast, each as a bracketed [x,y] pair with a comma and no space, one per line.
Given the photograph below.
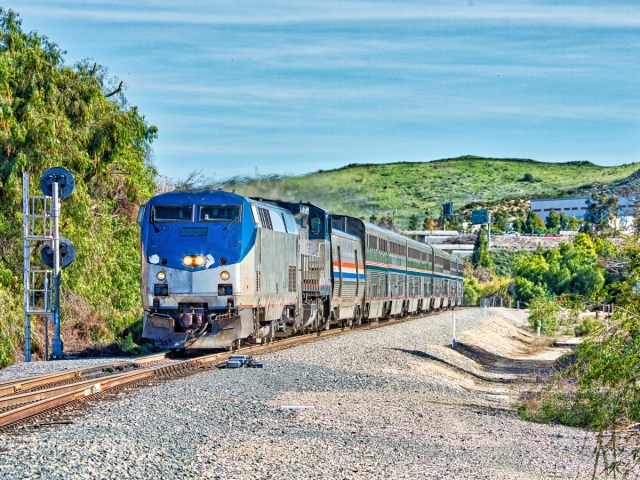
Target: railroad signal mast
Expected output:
[447,213]
[40,219]
[481,217]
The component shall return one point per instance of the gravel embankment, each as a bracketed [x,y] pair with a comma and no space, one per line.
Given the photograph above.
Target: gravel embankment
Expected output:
[390,403]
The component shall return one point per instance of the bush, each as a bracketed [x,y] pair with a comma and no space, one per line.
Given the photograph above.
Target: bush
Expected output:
[544,315]
[528,178]
[527,291]
[471,288]
[597,388]
[589,326]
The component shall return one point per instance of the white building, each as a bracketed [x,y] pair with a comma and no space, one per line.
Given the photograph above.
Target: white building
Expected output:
[577,207]
[572,207]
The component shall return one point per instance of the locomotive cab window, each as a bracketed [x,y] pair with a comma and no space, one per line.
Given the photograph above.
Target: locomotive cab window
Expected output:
[316,225]
[172,213]
[219,213]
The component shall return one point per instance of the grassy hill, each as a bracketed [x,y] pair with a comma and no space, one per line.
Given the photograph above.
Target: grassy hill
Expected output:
[410,187]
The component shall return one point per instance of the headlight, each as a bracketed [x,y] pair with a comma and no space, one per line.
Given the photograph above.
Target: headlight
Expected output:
[193,260]
[224,275]
[161,276]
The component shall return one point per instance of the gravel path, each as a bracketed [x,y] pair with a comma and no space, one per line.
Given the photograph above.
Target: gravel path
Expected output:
[390,403]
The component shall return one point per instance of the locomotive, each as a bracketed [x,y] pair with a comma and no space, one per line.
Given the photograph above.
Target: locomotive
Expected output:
[219,269]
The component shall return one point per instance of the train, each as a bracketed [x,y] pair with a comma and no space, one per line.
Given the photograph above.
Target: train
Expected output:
[220,269]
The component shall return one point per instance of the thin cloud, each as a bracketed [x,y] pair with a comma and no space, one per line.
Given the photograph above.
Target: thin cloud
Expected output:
[239,13]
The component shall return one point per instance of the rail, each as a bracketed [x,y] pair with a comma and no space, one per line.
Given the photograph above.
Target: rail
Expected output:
[33,396]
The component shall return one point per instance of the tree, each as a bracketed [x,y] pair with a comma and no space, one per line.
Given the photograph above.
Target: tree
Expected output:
[387,221]
[480,257]
[544,314]
[413,222]
[526,290]
[533,222]
[533,267]
[429,222]
[553,220]
[500,221]
[53,114]
[519,225]
[574,223]
[602,217]
[528,177]
[564,221]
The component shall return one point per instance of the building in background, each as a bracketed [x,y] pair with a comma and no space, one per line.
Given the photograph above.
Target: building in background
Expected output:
[577,207]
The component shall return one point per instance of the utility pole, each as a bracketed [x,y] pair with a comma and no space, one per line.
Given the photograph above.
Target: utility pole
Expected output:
[488,230]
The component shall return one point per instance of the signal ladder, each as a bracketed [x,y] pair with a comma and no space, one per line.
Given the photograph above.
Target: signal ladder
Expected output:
[37,221]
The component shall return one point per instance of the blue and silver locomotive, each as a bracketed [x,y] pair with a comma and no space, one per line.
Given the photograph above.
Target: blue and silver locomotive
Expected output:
[219,269]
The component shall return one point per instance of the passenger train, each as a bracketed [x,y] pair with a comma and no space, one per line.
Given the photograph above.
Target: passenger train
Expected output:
[219,269]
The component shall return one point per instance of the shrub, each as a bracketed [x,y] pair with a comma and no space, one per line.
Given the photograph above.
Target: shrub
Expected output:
[544,315]
[589,326]
[471,288]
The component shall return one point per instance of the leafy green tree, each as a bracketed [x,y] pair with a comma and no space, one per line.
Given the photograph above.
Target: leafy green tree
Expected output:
[526,290]
[413,222]
[500,221]
[602,214]
[574,223]
[533,223]
[528,177]
[519,225]
[53,114]
[553,220]
[533,267]
[544,313]
[471,289]
[564,221]
[480,257]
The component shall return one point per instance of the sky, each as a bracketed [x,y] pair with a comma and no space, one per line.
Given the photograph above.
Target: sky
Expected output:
[240,87]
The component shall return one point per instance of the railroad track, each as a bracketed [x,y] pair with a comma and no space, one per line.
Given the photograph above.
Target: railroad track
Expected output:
[31,398]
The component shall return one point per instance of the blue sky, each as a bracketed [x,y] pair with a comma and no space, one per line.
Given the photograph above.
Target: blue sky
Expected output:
[242,87]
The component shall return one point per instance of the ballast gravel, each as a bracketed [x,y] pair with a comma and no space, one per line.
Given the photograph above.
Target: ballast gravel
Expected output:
[22,370]
[371,404]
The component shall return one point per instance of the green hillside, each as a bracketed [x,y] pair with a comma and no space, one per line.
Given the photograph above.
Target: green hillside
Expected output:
[411,187]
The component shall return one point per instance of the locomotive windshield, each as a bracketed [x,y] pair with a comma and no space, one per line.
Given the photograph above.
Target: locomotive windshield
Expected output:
[213,213]
[172,213]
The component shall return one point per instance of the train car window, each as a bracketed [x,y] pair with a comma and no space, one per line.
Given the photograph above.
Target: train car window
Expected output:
[172,213]
[290,223]
[140,214]
[316,225]
[219,213]
[277,221]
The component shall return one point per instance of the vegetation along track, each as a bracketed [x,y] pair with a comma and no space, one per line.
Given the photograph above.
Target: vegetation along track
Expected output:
[24,400]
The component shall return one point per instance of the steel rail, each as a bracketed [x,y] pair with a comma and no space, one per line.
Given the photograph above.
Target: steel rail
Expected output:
[12,387]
